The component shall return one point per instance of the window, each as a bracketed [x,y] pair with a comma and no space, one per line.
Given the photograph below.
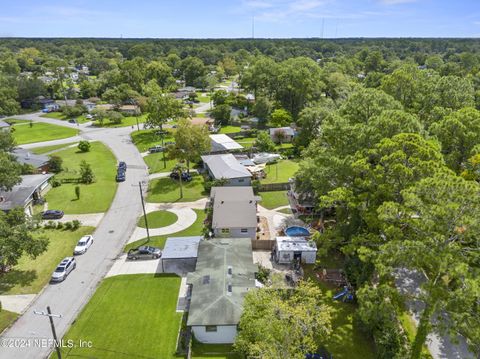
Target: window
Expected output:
[241,180]
[244,230]
[225,230]
[210,328]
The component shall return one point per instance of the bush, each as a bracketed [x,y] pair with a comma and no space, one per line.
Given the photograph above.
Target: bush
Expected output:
[55,183]
[55,164]
[59,225]
[263,274]
[84,146]
[76,224]
[50,225]
[68,226]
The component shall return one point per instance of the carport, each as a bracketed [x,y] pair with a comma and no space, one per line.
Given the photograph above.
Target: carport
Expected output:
[180,255]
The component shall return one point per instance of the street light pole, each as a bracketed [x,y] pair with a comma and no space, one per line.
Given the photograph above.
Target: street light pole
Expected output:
[52,325]
[144,212]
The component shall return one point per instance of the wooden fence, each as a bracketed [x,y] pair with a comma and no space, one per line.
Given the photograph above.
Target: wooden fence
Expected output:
[268,187]
[263,244]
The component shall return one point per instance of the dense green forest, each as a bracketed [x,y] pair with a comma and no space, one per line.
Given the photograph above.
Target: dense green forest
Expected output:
[388,142]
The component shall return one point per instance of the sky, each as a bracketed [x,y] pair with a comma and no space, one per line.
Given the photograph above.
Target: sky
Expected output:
[234,18]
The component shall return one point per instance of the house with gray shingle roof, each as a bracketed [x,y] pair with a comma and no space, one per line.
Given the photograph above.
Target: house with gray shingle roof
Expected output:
[228,168]
[224,274]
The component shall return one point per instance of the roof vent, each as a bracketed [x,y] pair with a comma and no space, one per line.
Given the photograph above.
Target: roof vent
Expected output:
[206,279]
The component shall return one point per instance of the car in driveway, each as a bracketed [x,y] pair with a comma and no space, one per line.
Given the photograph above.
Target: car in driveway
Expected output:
[156,149]
[144,252]
[186,177]
[52,214]
[63,269]
[83,244]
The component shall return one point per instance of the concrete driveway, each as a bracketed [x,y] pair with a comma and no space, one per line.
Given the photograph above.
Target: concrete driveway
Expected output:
[124,266]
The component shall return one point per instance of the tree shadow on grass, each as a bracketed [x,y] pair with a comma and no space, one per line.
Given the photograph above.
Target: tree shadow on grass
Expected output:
[16,277]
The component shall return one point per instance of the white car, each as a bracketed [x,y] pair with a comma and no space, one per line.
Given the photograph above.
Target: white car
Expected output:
[88,117]
[83,244]
[63,269]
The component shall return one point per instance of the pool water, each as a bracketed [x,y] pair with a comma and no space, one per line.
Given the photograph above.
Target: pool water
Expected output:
[297,231]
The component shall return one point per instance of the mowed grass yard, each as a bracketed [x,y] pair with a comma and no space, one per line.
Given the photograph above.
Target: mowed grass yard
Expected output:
[273,199]
[126,121]
[155,163]
[158,219]
[6,318]
[95,197]
[230,129]
[61,116]
[213,351]
[281,171]
[167,190]
[144,139]
[39,132]
[46,149]
[129,316]
[159,241]
[29,276]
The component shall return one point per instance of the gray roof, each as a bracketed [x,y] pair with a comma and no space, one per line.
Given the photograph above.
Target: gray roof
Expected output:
[181,247]
[21,194]
[222,142]
[233,207]
[225,166]
[24,156]
[295,244]
[287,130]
[4,124]
[212,303]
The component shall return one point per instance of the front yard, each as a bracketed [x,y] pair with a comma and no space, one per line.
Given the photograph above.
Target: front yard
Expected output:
[29,276]
[46,149]
[155,163]
[158,219]
[164,190]
[29,132]
[129,316]
[95,197]
[61,116]
[6,318]
[144,139]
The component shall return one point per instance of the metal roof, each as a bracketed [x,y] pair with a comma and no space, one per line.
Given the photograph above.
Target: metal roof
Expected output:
[295,244]
[225,166]
[222,142]
[181,247]
[217,296]
[233,207]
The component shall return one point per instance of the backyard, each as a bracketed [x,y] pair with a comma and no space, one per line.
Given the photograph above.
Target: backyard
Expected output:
[129,315]
[195,229]
[29,276]
[281,171]
[28,132]
[164,190]
[273,199]
[95,197]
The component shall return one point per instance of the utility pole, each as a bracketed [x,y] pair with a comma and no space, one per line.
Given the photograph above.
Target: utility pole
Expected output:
[144,212]
[52,325]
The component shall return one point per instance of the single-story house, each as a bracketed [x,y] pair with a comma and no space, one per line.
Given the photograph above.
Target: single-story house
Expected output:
[288,249]
[179,255]
[4,126]
[130,110]
[224,274]
[89,105]
[282,134]
[234,212]
[223,143]
[23,156]
[24,194]
[228,168]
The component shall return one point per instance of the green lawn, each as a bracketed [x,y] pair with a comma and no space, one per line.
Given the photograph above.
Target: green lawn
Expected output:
[246,142]
[129,316]
[95,197]
[126,121]
[230,129]
[164,190]
[159,241]
[29,276]
[45,149]
[6,318]
[347,339]
[158,219]
[61,116]
[274,199]
[213,351]
[281,171]
[203,97]
[155,163]
[411,330]
[40,132]
[144,139]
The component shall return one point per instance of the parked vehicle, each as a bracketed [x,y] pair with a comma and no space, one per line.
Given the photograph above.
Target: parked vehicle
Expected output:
[121,177]
[83,244]
[156,149]
[52,214]
[72,120]
[144,252]
[185,176]
[88,117]
[170,143]
[122,166]
[63,269]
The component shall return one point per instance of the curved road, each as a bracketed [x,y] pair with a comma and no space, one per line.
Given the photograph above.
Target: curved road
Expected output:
[69,297]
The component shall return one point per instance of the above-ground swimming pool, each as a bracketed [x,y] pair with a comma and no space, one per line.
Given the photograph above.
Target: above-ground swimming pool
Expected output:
[297,231]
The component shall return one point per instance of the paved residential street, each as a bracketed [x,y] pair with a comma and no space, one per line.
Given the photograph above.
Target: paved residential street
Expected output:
[69,297]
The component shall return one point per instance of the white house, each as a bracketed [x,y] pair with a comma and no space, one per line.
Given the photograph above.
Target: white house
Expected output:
[234,212]
[288,249]
[224,274]
[227,167]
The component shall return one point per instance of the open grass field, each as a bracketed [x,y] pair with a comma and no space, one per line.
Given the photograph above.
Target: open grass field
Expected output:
[158,219]
[46,149]
[159,241]
[144,139]
[23,133]
[129,316]
[155,163]
[95,197]
[347,339]
[29,276]
[165,190]
[274,199]
[281,171]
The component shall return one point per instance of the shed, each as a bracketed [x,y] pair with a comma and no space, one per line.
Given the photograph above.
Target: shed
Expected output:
[288,249]
[180,254]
